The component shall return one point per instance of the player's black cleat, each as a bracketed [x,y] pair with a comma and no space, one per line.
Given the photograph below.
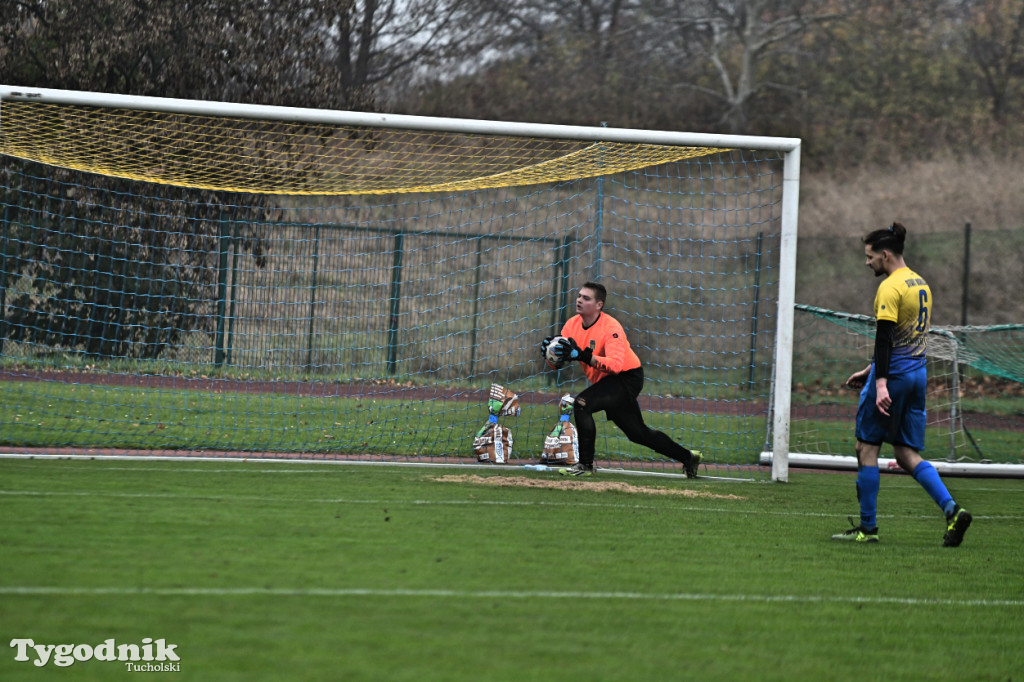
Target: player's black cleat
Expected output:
[857,534]
[956,525]
[578,469]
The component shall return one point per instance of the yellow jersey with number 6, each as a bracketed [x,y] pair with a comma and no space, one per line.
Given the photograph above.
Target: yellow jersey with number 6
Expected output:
[905,298]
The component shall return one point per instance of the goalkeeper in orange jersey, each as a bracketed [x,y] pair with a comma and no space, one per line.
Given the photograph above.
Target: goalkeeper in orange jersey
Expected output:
[598,342]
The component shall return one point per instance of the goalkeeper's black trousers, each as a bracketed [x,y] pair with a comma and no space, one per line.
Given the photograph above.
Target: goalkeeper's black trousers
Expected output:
[616,396]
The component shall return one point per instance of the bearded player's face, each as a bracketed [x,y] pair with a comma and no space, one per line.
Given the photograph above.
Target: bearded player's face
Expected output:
[875,260]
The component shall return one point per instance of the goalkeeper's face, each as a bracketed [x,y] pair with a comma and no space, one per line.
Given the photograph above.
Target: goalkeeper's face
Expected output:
[587,304]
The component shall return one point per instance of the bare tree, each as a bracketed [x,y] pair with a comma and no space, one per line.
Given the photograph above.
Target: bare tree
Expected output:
[743,41]
[566,58]
[994,40]
[527,23]
[329,53]
[372,43]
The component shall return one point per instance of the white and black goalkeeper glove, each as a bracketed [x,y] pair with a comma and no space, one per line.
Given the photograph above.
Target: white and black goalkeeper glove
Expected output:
[568,349]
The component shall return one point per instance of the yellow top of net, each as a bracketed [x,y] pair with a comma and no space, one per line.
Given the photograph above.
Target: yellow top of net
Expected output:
[275,157]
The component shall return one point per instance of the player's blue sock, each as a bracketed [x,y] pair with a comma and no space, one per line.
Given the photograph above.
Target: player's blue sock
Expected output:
[867,494]
[928,477]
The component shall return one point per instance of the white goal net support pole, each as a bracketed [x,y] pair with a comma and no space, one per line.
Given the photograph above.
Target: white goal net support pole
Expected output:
[975,385]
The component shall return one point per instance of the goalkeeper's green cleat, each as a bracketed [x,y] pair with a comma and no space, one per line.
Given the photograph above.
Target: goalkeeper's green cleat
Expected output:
[857,534]
[691,466]
[578,469]
[956,525]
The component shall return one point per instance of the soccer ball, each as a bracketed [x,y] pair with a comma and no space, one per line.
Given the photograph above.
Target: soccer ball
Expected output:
[554,362]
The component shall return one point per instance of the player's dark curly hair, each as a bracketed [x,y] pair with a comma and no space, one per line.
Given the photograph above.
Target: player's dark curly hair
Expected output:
[889,238]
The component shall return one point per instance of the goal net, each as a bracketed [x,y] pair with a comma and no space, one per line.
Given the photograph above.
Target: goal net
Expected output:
[975,393]
[195,278]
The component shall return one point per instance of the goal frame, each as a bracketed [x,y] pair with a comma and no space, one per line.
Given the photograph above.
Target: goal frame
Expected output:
[789,148]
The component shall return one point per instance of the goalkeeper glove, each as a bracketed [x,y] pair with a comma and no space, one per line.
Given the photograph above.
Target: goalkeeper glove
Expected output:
[568,349]
[544,345]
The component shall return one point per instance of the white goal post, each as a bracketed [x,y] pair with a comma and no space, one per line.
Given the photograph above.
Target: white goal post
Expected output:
[787,148]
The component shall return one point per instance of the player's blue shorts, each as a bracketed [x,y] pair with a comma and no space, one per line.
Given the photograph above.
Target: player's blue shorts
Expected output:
[906,421]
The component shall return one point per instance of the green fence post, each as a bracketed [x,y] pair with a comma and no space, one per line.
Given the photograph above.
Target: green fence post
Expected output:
[396,292]
[234,286]
[8,210]
[566,255]
[222,293]
[967,274]
[559,284]
[556,281]
[753,323]
[476,306]
[312,300]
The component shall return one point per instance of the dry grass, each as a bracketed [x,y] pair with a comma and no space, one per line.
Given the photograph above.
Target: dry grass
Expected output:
[573,484]
[938,195]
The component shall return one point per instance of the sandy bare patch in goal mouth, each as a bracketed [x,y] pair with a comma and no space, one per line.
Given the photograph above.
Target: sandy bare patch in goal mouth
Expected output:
[575,484]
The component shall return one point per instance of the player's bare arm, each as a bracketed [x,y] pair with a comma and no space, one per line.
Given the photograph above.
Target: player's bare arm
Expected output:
[882,399]
[858,379]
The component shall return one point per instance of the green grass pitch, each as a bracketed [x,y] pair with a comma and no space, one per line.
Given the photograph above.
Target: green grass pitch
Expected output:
[306,571]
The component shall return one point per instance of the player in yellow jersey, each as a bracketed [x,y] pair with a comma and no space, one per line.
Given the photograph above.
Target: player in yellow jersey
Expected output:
[599,343]
[892,399]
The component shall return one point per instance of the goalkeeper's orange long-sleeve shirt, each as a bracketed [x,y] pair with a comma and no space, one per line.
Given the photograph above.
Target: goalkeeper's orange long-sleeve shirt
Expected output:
[607,339]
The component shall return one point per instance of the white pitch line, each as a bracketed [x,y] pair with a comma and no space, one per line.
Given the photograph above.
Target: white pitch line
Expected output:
[393,502]
[15,590]
[332,466]
[474,503]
